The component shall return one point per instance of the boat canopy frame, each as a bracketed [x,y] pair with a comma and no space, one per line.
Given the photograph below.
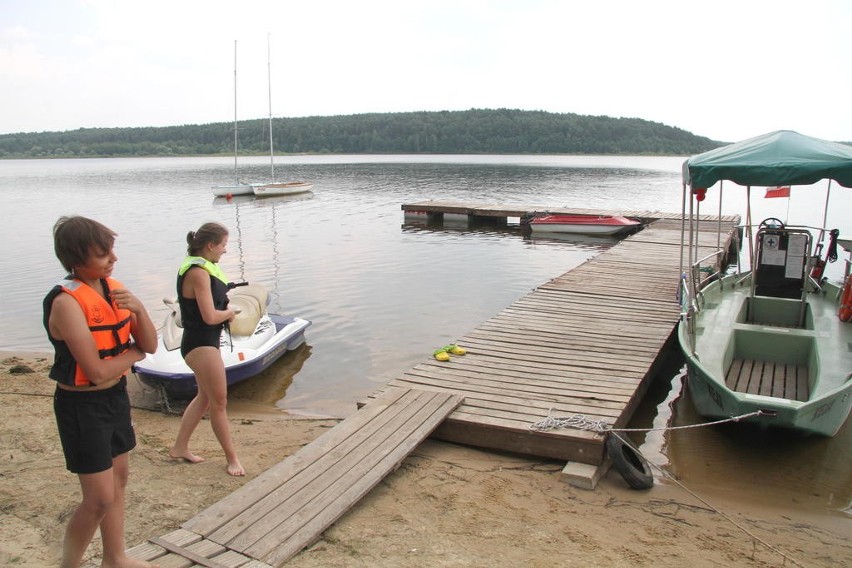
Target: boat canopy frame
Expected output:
[780,158]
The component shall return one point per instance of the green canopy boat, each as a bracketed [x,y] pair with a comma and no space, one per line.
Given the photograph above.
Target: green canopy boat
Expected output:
[771,342]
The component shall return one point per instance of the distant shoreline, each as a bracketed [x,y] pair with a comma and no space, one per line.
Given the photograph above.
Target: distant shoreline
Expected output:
[475,131]
[253,155]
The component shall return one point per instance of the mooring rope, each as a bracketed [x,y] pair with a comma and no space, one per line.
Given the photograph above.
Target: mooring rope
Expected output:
[160,392]
[582,422]
[715,509]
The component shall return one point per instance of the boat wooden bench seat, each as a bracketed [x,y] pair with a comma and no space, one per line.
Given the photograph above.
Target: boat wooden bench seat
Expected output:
[768,378]
[756,367]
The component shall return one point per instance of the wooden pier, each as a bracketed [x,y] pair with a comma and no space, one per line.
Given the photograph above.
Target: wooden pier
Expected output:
[585,343]
[436,211]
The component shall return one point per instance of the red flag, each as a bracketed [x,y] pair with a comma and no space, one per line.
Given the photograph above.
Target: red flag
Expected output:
[777,192]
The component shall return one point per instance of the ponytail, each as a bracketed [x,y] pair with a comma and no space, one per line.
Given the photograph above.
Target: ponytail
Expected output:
[208,233]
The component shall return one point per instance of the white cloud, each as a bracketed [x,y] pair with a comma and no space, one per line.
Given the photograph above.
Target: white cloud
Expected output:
[15,33]
[729,70]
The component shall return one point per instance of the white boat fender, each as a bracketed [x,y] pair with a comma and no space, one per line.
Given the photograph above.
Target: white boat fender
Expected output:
[627,460]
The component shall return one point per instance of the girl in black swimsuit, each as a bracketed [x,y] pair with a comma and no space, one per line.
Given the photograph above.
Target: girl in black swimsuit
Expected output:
[202,294]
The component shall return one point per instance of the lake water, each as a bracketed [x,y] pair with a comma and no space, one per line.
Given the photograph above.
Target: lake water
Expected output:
[383,294]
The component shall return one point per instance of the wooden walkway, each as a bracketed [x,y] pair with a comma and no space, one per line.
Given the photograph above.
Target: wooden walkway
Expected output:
[280,512]
[584,343]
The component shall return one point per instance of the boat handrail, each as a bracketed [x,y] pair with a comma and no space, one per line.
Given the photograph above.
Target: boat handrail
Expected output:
[711,255]
[757,225]
[690,304]
[683,296]
[687,309]
[696,270]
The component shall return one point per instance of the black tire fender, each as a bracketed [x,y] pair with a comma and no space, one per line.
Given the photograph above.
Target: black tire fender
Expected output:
[627,460]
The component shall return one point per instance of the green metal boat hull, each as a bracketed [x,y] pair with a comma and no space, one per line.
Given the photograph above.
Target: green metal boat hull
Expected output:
[821,350]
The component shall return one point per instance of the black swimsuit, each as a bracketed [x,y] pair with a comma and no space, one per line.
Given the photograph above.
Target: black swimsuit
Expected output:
[199,337]
[196,333]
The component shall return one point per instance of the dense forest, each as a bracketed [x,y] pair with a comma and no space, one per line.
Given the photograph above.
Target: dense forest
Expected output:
[475,131]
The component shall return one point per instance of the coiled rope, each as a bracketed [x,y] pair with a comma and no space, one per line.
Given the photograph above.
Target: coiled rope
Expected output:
[582,422]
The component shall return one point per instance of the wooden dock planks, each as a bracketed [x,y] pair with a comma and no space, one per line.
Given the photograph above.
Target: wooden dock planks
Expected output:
[275,515]
[185,549]
[583,343]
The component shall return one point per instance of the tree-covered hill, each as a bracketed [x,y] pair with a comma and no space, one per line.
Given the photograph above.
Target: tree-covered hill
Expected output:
[475,131]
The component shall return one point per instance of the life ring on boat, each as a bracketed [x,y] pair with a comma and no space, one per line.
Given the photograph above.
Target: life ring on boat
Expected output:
[629,462]
[845,311]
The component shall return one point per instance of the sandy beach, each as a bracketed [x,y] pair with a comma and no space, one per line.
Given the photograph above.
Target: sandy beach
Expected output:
[447,505]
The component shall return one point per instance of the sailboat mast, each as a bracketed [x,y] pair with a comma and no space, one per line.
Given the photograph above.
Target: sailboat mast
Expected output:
[236,175]
[269,88]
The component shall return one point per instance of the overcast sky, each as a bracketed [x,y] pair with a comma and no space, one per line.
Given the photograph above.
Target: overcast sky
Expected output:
[726,69]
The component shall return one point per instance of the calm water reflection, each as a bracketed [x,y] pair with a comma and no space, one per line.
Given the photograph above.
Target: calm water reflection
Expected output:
[383,293]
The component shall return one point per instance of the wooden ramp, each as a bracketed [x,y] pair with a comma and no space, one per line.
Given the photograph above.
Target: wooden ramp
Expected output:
[285,509]
[584,343]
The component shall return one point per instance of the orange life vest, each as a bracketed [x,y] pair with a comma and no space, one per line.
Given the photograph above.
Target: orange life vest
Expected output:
[845,311]
[109,325]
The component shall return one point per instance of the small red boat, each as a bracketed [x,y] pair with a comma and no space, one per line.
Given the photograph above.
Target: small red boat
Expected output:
[583,224]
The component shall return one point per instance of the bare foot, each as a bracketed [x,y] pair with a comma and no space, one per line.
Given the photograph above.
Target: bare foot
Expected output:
[185,456]
[236,469]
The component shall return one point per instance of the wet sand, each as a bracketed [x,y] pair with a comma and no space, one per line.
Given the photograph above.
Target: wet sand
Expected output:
[447,505]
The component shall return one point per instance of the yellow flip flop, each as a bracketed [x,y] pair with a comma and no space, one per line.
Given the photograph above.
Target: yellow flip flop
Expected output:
[455,349]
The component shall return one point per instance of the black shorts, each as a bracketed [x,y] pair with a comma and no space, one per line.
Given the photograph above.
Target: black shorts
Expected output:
[199,337]
[94,427]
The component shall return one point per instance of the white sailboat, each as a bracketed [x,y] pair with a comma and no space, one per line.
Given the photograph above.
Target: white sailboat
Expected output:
[237,188]
[276,188]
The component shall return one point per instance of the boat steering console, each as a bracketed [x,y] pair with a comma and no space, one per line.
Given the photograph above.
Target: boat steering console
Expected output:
[771,223]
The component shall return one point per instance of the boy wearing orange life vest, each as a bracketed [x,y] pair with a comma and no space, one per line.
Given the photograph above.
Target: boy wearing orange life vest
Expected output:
[98,330]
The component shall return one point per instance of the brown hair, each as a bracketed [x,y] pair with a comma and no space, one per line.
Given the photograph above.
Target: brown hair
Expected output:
[75,237]
[208,233]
